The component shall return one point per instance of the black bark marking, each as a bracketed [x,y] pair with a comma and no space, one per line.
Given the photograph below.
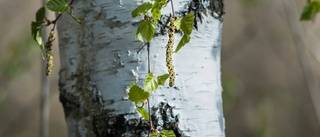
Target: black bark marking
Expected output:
[117,126]
[83,91]
[69,102]
[107,125]
[198,8]
[162,25]
[164,119]
[218,7]
[113,23]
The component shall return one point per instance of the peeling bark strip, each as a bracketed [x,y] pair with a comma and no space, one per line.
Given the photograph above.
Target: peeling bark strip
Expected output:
[99,62]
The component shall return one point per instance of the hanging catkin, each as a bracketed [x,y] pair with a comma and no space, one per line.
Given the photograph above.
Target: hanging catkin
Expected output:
[169,53]
[49,55]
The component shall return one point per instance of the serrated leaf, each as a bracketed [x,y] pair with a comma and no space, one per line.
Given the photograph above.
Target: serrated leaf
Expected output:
[146,29]
[76,19]
[40,14]
[139,37]
[187,23]
[36,33]
[36,28]
[150,84]
[162,79]
[162,2]
[184,40]
[156,13]
[60,6]
[142,112]
[156,9]
[153,135]
[167,133]
[142,9]
[177,23]
[136,94]
[310,10]
[132,84]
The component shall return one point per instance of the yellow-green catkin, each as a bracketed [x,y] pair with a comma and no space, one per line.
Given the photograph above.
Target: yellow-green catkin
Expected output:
[169,52]
[49,55]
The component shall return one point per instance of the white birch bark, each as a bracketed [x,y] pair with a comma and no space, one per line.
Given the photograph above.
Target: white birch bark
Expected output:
[99,62]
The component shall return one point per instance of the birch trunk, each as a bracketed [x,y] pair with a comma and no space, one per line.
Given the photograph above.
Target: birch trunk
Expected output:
[99,62]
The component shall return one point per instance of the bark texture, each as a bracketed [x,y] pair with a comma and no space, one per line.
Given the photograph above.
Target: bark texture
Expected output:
[99,62]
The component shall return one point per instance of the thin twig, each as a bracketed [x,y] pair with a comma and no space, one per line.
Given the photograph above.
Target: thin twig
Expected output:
[303,54]
[55,21]
[148,48]
[141,48]
[149,70]
[172,8]
[45,89]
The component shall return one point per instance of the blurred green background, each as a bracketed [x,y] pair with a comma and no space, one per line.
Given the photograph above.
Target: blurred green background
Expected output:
[270,62]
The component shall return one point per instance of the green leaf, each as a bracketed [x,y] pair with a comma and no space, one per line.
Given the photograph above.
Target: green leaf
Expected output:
[60,6]
[184,40]
[161,2]
[36,28]
[156,13]
[167,133]
[142,9]
[76,19]
[36,33]
[310,10]
[153,135]
[40,14]
[156,9]
[139,37]
[142,111]
[177,23]
[187,23]
[146,29]
[162,79]
[150,84]
[136,94]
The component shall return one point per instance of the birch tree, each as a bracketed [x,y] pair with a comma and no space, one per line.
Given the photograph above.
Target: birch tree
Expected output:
[99,61]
